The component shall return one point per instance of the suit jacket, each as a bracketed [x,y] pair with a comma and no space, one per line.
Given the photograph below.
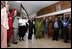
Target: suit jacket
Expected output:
[60,24]
[15,23]
[30,26]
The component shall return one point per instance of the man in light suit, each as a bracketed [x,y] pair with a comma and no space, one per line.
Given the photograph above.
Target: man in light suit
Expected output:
[15,29]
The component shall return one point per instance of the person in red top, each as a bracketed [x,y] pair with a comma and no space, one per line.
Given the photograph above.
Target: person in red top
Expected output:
[10,23]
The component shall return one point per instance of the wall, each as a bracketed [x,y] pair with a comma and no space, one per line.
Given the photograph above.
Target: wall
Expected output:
[52,8]
[33,15]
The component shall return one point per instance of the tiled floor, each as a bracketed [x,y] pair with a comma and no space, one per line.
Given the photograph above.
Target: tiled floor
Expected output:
[40,43]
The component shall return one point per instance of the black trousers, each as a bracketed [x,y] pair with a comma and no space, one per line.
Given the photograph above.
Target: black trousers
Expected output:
[61,36]
[30,34]
[65,33]
[8,41]
[34,30]
[56,34]
[22,31]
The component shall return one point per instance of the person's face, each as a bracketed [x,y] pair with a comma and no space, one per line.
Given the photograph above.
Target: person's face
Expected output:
[15,12]
[55,19]
[65,20]
[17,18]
[38,19]
[46,20]
[60,16]
[50,18]
[8,13]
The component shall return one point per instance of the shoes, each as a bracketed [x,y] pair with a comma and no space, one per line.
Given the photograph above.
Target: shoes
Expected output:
[53,39]
[56,39]
[29,39]
[23,39]
[66,41]
[20,39]
[15,42]
[8,45]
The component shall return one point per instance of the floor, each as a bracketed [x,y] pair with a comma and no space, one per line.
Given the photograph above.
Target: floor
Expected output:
[40,43]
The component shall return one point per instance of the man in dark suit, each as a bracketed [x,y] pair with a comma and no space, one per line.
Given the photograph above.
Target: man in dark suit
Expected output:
[55,26]
[60,27]
[30,29]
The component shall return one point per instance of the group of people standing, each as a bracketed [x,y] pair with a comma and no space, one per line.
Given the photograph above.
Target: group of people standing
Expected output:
[21,26]
[15,26]
[60,26]
[18,26]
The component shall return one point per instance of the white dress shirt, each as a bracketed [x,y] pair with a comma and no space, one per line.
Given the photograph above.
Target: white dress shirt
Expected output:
[56,24]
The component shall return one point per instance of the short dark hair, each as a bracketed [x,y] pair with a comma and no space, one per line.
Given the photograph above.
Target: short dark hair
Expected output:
[18,13]
[10,10]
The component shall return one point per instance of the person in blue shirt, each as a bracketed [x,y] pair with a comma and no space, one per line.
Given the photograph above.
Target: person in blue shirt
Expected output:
[65,29]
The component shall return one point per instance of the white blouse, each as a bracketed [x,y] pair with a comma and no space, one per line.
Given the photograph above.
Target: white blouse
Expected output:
[23,22]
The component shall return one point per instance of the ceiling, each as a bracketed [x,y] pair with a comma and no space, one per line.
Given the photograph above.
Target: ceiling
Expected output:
[31,6]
